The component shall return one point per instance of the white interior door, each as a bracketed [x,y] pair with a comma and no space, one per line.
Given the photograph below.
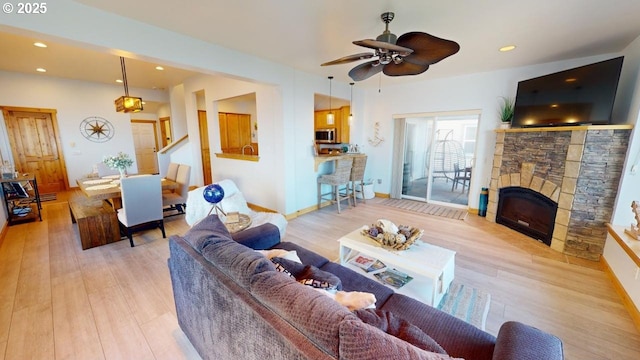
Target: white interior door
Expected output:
[145,142]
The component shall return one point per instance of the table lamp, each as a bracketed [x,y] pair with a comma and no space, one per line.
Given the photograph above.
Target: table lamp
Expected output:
[214,194]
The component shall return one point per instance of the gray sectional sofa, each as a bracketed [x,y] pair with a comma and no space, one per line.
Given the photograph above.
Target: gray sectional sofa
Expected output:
[233,304]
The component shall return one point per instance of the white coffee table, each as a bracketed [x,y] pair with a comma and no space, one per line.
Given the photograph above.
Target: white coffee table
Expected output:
[432,267]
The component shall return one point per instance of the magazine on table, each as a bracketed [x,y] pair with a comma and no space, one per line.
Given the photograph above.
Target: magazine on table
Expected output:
[367,263]
[393,277]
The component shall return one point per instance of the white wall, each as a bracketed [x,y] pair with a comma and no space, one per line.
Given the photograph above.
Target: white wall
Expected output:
[475,91]
[289,183]
[629,189]
[74,101]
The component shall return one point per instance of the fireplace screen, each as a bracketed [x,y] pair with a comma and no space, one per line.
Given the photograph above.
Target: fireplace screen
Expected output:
[528,212]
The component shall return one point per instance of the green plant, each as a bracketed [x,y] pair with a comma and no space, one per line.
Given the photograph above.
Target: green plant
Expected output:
[120,161]
[506,109]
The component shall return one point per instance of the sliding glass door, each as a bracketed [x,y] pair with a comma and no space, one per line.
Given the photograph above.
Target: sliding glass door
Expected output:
[434,157]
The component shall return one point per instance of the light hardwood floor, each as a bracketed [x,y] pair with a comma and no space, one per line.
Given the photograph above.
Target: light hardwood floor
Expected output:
[115,302]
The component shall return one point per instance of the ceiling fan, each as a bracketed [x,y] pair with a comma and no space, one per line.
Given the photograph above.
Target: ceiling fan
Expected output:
[409,54]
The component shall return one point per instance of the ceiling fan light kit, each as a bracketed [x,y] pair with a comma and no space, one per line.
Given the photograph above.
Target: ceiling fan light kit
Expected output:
[410,54]
[127,103]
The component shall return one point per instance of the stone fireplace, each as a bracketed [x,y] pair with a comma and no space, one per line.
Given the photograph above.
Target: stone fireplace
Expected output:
[577,168]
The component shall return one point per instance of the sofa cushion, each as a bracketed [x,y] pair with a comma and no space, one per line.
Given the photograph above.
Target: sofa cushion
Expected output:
[356,281]
[524,342]
[236,260]
[314,314]
[260,237]
[457,337]
[310,274]
[400,328]
[306,256]
[206,231]
[360,341]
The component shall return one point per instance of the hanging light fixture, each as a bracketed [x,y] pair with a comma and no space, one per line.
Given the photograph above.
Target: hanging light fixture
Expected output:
[330,117]
[351,106]
[127,103]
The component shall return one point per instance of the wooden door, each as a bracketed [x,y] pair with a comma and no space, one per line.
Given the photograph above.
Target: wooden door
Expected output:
[204,147]
[35,144]
[165,131]
[146,145]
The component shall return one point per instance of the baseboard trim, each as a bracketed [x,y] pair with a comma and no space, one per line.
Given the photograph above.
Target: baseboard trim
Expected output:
[3,233]
[626,299]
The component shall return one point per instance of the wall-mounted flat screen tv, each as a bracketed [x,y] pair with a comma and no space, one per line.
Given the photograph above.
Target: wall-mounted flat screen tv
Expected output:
[579,96]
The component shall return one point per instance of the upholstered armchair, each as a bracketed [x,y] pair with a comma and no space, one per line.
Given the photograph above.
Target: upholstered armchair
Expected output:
[198,207]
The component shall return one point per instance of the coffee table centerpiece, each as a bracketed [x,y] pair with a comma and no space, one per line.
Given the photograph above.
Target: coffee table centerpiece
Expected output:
[390,236]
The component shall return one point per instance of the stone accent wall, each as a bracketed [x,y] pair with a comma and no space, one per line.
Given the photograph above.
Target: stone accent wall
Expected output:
[596,189]
[579,168]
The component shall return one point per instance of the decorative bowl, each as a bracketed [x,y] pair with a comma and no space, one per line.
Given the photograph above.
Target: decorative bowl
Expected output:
[402,240]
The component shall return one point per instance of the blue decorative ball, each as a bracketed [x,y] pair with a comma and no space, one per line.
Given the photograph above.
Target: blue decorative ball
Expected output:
[213,193]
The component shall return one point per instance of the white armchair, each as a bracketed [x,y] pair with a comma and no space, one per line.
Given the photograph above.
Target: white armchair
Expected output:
[198,207]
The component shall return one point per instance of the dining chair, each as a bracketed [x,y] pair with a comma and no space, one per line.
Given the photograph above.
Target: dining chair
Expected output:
[340,177]
[176,200]
[172,171]
[104,170]
[141,204]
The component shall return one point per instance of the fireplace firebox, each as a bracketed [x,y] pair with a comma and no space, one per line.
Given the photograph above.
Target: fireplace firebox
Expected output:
[528,212]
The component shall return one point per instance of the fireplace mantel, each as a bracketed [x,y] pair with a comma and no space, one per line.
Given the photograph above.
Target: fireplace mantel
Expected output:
[584,165]
[567,128]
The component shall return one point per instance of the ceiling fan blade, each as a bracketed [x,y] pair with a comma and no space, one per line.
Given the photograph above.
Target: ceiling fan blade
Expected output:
[403,69]
[427,49]
[381,45]
[365,71]
[350,58]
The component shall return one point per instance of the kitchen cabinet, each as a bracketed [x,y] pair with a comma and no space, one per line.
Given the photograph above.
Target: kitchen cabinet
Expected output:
[341,122]
[235,133]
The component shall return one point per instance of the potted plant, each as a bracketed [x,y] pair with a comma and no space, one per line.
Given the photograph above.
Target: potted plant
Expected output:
[506,111]
[121,162]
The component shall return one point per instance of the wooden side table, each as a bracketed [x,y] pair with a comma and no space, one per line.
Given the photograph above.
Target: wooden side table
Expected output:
[243,223]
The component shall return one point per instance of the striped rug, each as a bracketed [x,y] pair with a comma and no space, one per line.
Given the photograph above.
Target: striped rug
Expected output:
[426,208]
[467,303]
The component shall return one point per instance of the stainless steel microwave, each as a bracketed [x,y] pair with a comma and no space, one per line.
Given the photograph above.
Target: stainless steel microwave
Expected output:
[327,136]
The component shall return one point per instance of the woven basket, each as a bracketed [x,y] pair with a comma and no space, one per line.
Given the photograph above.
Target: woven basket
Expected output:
[388,241]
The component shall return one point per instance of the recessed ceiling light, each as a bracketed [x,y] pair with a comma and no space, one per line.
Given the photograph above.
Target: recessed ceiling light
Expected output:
[570,80]
[507,48]
[119,81]
[41,70]
[40,45]
[159,68]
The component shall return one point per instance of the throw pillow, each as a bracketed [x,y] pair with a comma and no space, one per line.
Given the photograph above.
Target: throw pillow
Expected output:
[289,255]
[310,274]
[400,328]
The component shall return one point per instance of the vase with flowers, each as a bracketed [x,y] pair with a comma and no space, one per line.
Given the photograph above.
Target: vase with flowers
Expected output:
[121,162]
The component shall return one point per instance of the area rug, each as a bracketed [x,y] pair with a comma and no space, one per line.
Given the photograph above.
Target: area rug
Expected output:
[426,208]
[467,303]
[47,197]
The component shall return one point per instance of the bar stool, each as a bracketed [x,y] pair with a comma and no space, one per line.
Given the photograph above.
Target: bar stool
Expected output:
[357,175]
[340,177]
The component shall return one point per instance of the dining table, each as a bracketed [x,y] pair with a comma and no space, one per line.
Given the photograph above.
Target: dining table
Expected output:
[108,188]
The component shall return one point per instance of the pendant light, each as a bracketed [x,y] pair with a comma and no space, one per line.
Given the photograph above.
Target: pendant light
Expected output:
[127,103]
[330,118]
[351,106]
